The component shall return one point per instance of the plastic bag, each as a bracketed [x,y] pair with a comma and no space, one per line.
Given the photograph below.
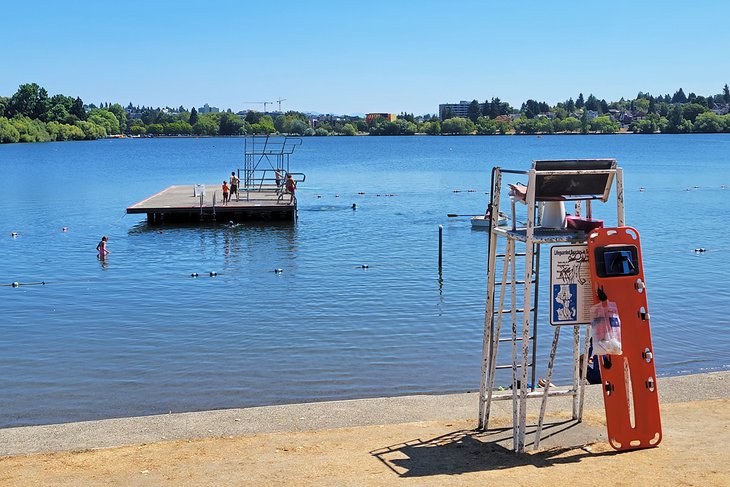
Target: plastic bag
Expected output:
[606,329]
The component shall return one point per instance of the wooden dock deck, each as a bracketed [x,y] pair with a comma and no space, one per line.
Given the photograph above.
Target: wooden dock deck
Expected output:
[180,203]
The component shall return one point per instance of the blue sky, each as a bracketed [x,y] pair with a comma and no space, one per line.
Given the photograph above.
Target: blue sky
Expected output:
[355,57]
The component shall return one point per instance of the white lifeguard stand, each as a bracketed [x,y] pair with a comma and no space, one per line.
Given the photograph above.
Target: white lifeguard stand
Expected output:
[576,180]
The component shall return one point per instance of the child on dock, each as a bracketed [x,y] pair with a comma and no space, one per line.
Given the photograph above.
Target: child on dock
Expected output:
[225,192]
[291,187]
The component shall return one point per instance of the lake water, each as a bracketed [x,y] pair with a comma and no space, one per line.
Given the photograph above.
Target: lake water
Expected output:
[139,336]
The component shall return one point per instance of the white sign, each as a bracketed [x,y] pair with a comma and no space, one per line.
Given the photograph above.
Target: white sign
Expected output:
[571,296]
[199,190]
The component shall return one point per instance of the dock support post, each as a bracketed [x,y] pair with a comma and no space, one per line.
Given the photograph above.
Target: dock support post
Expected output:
[441,238]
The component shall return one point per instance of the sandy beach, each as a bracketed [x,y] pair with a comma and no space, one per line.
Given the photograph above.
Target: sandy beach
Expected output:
[416,440]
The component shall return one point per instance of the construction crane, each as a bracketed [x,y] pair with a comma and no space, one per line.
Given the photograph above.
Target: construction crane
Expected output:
[279,102]
[264,103]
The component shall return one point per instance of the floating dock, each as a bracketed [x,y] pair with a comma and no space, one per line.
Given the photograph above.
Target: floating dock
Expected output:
[261,194]
[195,203]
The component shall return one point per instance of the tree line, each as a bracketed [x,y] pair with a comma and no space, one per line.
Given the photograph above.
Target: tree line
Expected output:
[31,115]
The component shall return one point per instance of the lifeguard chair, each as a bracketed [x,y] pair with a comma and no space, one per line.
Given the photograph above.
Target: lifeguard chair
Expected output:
[550,183]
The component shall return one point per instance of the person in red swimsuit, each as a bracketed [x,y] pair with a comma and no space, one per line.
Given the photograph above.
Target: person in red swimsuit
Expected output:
[225,192]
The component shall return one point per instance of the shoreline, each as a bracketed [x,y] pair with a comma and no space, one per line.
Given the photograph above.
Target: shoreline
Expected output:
[109,433]
[413,440]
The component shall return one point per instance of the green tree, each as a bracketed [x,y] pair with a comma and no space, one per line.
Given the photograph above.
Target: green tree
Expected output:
[137,129]
[253,117]
[708,122]
[642,105]
[106,119]
[726,93]
[679,97]
[498,107]
[3,105]
[265,125]
[155,129]
[58,114]
[473,111]
[579,102]
[30,130]
[647,125]
[179,127]
[676,123]
[77,109]
[63,131]
[91,130]
[457,126]
[30,100]
[230,124]
[118,111]
[486,126]
[604,125]
[571,124]
[584,122]
[348,129]
[432,128]
[299,127]
[691,110]
[206,125]
[193,116]
[8,133]
[593,104]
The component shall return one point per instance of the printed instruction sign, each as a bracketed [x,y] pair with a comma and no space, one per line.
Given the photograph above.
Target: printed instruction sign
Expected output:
[571,296]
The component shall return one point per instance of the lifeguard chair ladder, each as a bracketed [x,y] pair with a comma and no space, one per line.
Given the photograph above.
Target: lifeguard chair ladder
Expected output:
[578,180]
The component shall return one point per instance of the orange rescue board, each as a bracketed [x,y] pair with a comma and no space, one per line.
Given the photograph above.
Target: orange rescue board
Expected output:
[628,380]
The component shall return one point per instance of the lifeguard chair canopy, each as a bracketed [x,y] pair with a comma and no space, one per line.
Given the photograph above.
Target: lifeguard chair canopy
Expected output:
[570,179]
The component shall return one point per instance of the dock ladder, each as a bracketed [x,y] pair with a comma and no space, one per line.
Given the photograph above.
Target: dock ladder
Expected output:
[513,298]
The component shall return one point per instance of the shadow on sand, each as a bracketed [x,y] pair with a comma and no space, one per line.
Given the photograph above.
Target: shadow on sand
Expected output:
[464,451]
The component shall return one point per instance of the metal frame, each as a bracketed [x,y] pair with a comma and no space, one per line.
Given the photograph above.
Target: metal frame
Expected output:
[532,235]
[274,151]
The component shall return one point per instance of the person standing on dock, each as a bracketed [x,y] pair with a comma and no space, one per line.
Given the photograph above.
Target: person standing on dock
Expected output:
[225,192]
[291,187]
[234,184]
[277,178]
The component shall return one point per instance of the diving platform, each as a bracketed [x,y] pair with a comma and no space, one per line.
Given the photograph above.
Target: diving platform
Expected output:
[261,193]
[204,202]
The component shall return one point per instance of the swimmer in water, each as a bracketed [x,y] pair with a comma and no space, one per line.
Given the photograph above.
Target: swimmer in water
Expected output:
[101,247]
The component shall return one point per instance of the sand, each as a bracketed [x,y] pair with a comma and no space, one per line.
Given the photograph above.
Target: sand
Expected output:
[440,452]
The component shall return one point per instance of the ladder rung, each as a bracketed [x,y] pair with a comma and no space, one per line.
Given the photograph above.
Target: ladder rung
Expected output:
[519,366]
[536,393]
[517,339]
[518,310]
[516,282]
[521,254]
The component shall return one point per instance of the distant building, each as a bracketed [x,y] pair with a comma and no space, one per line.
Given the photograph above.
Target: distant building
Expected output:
[390,117]
[208,109]
[316,120]
[460,109]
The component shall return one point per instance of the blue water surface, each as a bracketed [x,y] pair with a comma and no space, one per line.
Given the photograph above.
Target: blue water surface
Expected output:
[137,335]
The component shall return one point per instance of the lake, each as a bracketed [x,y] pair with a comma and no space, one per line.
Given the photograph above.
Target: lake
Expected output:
[137,335]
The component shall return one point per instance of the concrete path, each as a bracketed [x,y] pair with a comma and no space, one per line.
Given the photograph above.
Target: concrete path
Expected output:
[328,415]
